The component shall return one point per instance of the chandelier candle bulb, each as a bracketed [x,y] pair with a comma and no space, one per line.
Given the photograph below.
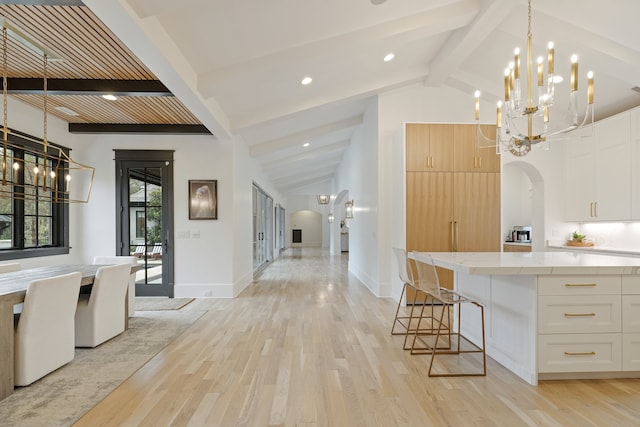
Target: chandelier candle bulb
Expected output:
[590,87]
[574,73]
[540,72]
[507,85]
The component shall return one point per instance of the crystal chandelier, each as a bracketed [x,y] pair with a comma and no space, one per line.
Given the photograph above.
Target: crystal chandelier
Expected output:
[526,122]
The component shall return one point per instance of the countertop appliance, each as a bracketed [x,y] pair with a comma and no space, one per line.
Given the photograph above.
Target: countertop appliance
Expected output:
[522,233]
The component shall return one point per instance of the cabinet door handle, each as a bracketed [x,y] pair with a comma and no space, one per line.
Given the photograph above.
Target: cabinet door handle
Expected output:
[452,241]
[579,314]
[580,284]
[595,209]
[591,210]
[475,162]
[480,162]
[431,160]
[579,353]
[455,223]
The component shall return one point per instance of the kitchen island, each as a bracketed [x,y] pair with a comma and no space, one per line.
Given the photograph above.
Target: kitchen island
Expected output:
[553,315]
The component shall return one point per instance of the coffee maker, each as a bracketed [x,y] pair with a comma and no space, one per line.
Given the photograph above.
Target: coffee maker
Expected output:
[522,233]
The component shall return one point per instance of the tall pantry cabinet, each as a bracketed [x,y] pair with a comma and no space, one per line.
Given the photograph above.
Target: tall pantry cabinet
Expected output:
[452,192]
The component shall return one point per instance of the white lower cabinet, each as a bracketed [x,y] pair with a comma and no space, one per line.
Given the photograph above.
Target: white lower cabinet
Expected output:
[579,352]
[631,352]
[588,324]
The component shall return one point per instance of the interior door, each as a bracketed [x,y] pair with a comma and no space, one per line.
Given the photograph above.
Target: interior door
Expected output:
[145,226]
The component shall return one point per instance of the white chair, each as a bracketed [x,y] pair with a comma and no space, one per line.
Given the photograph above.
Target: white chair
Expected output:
[44,333]
[100,315]
[109,260]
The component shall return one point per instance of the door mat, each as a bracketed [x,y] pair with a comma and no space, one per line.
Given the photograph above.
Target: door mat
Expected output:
[160,303]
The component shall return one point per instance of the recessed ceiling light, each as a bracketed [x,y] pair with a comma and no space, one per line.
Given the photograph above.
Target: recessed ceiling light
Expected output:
[388,57]
[306,144]
[376,2]
[67,111]
[306,80]
[109,97]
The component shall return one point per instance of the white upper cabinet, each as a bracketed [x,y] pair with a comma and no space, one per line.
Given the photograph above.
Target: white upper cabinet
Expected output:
[635,164]
[598,172]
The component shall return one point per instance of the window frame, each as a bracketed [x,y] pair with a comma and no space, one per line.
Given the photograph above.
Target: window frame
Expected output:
[23,143]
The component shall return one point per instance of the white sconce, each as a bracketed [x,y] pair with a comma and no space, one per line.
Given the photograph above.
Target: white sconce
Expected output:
[323,199]
[348,209]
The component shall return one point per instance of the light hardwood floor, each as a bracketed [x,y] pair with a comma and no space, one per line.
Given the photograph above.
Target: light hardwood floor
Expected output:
[308,345]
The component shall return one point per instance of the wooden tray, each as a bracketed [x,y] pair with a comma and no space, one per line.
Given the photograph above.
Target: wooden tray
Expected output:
[580,244]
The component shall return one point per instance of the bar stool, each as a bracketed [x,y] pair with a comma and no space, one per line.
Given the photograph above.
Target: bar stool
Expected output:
[446,341]
[404,322]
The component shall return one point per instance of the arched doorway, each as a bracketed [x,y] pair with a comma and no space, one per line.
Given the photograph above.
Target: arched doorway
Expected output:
[523,200]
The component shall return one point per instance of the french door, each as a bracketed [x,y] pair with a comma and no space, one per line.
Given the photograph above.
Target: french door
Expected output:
[144,195]
[262,228]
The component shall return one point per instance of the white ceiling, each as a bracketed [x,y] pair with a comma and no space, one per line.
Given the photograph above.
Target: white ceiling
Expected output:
[238,64]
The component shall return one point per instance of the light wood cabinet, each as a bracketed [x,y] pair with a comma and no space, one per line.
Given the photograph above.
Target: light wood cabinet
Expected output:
[598,172]
[429,147]
[453,210]
[469,157]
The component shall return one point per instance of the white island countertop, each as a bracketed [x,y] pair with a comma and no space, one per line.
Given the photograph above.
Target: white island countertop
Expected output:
[533,263]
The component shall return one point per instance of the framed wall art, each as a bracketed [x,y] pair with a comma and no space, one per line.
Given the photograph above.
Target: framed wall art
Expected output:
[203,199]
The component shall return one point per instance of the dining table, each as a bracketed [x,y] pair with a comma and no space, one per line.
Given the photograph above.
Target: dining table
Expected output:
[13,288]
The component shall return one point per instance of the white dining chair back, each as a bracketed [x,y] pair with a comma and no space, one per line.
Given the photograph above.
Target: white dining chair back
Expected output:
[116,259]
[100,315]
[44,334]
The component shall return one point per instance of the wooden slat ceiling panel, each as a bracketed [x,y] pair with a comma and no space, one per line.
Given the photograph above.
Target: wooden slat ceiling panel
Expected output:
[129,110]
[87,48]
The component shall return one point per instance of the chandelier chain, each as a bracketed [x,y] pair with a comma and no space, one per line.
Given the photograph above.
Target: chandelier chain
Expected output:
[4,105]
[529,20]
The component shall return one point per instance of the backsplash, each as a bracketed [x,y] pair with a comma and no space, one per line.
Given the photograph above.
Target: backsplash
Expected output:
[623,235]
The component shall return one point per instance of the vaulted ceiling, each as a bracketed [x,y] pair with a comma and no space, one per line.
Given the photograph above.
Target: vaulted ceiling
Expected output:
[235,68]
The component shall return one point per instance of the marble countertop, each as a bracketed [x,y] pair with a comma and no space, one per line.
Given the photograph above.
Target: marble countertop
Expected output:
[532,263]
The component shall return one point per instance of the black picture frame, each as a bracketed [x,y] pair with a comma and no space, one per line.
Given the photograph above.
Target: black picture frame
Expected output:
[203,199]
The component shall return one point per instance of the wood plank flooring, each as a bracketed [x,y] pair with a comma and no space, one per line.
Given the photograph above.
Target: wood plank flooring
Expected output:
[308,345]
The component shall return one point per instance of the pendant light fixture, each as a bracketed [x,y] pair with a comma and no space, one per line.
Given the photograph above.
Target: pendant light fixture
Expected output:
[42,168]
[527,119]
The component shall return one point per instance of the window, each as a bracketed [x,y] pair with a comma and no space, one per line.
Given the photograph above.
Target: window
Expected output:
[33,219]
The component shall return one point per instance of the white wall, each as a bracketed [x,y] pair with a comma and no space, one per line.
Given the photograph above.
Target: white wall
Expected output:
[310,223]
[517,193]
[359,173]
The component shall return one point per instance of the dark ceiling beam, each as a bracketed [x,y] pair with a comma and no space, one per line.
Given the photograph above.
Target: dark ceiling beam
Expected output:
[20,85]
[138,128]
[45,2]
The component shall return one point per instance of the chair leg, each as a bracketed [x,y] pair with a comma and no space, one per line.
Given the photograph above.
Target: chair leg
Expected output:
[397,319]
[458,350]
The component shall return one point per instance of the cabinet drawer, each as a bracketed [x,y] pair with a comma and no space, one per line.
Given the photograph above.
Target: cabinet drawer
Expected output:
[579,353]
[579,285]
[579,314]
[631,313]
[631,352]
[631,285]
